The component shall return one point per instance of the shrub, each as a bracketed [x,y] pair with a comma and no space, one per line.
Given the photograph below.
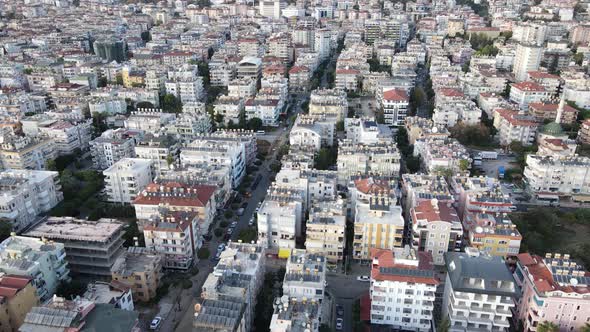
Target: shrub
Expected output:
[228,214]
[218,232]
[223,224]
[203,253]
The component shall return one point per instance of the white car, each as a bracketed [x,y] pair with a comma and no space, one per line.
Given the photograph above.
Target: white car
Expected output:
[339,324]
[363,278]
[221,247]
[155,324]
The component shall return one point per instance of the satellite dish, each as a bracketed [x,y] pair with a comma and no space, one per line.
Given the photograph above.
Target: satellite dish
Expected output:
[574,281]
[478,229]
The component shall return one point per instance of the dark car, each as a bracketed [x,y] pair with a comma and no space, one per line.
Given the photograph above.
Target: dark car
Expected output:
[207,237]
[244,205]
[339,310]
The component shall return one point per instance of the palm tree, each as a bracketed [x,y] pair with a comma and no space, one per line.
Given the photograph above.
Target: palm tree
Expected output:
[444,325]
[585,328]
[547,327]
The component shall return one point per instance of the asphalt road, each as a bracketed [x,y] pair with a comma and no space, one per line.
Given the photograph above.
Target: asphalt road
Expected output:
[345,290]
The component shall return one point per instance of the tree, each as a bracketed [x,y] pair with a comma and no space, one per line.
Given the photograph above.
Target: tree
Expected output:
[102,82]
[132,232]
[585,328]
[171,104]
[340,125]
[5,229]
[547,326]
[254,124]
[444,325]
[145,104]
[119,79]
[579,58]
[203,253]
[464,165]
[471,134]
[325,158]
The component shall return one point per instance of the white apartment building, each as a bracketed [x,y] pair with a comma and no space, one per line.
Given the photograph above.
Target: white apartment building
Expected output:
[112,146]
[513,126]
[26,194]
[479,292]
[524,93]
[242,88]
[279,218]
[44,261]
[266,109]
[436,228]
[175,236]
[568,176]
[528,58]
[229,108]
[127,178]
[67,135]
[312,131]
[394,104]
[107,105]
[366,131]
[271,8]
[17,152]
[381,159]
[184,83]
[331,103]
[305,276]
[239,274]
[161,150]
[403,285]
[250,67]
[441,154]
[148,120]
[291,315]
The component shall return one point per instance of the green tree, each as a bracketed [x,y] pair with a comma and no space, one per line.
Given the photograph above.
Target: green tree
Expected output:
[5,229]
[254,124]
[171,104]
[340,125]
[145,104]
[71,289]
[325,158]
[547,326]
[444,325]
[170,159]
[579,58]
[132,232]
[203,253]
[119,79]
[585,328]
[464,165]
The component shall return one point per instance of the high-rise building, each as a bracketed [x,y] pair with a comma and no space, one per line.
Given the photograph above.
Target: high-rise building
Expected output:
[528,58]
[111,49]
[271,9]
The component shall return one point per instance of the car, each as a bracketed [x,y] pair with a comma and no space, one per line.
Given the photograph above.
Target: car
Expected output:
[217,256]
[339,310]
[156,322]
[233,224]
[339,322]
[221,247]
[244,205]
[251,222]
[240,212]
[207,237]
[363,278]
[230,231]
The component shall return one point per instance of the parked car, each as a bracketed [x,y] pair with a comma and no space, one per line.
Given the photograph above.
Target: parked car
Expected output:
[221,247]
[240,212]
[207,237]
[156,322]
[339,310]
[363,278]
[244,205]
[251,222]
[339,322]
[230,231]
[234,224]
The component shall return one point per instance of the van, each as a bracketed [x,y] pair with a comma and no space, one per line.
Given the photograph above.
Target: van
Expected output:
[260,132]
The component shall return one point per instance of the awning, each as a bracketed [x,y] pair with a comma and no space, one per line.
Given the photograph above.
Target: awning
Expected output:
[581,198]
[548,196]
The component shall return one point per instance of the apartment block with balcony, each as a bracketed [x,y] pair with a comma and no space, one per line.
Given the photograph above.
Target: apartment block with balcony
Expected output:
[441,153]
[367,131]
[330,103]
[515,126]
[479,293]
[495,235]
[378,223]
[280,217]
[305,276]
[112,146]
[127,178]
[17,152]
[295,314]
[403,286]
[41,260]
[26,194]
[525,93]
[67,135]
[162,150]
[112,292]
[378,159]
[554,289]
[312,131]
[436,228]
[552,177]
[480,194]
[237,277]
[91,246]
[174,235]
[325,231]
[139,269]
[417,188]
[394,104]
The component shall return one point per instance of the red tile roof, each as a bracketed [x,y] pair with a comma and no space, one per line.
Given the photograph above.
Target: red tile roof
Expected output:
[451,92]
[543,278]
[298,69]
[372,186]
[347,71]
[426,210]
[396,95]
[386,259]
[175,194]
[551,107]
[10,285]
[542,74]
[528,86]
[516,119]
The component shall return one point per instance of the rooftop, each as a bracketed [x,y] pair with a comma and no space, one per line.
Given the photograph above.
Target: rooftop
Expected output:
[403,265]
[72,229]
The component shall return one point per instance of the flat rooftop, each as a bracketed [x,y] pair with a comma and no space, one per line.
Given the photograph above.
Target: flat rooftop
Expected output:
[68,228]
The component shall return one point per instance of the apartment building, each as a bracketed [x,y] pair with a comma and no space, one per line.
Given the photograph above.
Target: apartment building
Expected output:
[127,178]
[379,224]
[554,289]
[176,197]
[436,228]
[17,152]
[175,235]
[525,93]
[17,299]
[265,108]
[379,159]
[527,58]
[227,314]
[26,194]
[418,127]
[293,314]
[548,111]
[229,108]
[68,136]
[237,277]
[250,67]
[139,269]
[315,131]
[161,150]
[479,292]
[417,188]
[113,293]
[480,194]
[148,120]
[112,146]
[394,104]
[403,285]
[515,126]
[185,84]
[280,218]
[439,154]
[567,176]
[325,231]
[367,131]
[299,77]
[331,103]
[42,261]
[494,235]
[91,246]
[584,132]
[305,276]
